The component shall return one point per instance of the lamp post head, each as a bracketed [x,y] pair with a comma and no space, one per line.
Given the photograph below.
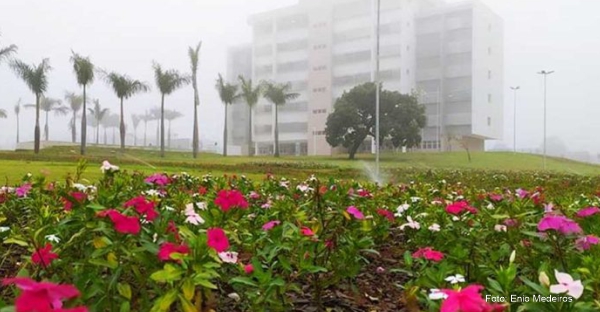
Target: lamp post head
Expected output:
[516,88]
[544,72]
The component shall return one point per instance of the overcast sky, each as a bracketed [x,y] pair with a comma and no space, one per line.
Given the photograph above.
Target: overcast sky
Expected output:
[126,36]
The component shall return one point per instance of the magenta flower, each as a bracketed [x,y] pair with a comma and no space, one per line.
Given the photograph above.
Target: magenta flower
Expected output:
[23,190]
[587,212]
[166,249]
[158,179]
[248,268]
[123,224]
[355,212]
[521,193]
[511,222]
[306,231]
[217,239]
[43,296]
[586,242]
[269,225]
[560,224]
[44,255]
[496,197]
[467,299]
[428,253]
[458,207]
[230,199]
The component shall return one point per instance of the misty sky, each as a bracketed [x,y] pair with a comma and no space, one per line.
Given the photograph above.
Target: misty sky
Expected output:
[126,36]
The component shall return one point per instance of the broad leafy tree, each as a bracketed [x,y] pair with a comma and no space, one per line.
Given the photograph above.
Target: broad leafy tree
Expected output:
[278,94]
[124,87]
[98,114]
[36,79]
[84,71]
[228,93]
[167,82]
[194,55]
[251,94]
[75,102]
[50,105]
[353,118]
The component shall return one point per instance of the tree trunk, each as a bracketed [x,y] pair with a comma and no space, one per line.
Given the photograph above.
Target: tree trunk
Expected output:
[122,127]
[84,123]
[157,133]
[36,132]
[18,129]
[97,132]
[162,126]
[250,145]
[169,137]
[276,131]
[135,136]
[105,140]
[145,131]
[225,133]
[73,129]
[113,140]
[46,129]
[195,139]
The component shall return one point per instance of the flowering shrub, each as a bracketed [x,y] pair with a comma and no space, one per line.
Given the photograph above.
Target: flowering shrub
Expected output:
[178,242]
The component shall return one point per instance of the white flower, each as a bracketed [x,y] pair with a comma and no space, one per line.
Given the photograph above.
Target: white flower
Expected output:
[455,279]
[411,224]
[284,184]
[500,228]
[4,229]
[436,202]
[455,218]
[168,208]
[401,209]
[6,189]
[251,216]
[152,193]
[436,294]
[229,256]
[415,199]
[434,227]
[566,284]
[303,188]
[80,187]
[194,219]
[106,166]
[234,296]
[490,206]
[52,238]
[422,214]
[154,237]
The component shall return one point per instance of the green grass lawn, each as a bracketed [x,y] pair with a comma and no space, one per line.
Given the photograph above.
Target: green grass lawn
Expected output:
[57,162]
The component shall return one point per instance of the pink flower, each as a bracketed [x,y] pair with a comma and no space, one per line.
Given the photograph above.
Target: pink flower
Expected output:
[588,212]
[254,195]
[269,225]
[166,249]
[355,212]
[496,197]
[428,254]
[43,296]
[521,193]
[123,224]
[364,193]
[44,256]
[586,242]
[306,231]
[467,299]
[229,256]
[566,284]
[548,207]
[158,179]
[217,239]
[79,198]
[230,199]
[511,222]
[143,207]
[23,190]
[560,224]
[107,167]
[458,207]
[386,213]
[248,268]
[380,270]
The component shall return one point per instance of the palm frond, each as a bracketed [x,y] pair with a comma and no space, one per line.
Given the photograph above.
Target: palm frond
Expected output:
[170,80]
[7,51]
[172,114]
[124,86]
[228,92]
[75,101]
[35,77]
[83,69]
[194,54]
[3,113]
[250,93]
[17,107]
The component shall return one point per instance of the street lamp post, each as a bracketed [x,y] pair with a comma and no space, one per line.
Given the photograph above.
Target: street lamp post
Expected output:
[515,119]
[545,73]
[377,85]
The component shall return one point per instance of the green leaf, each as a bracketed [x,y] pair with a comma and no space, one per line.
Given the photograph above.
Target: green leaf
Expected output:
[315,269]
[8,309]
[124,290]
[170,273]
[541,290]
[16,241]
[204,283]
[104,263]
[243,280]
[125,307]
[163,304]
[188,289]
[495,285]
[187,305]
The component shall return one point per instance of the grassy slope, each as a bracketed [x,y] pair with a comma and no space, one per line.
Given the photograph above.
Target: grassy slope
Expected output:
[60,161]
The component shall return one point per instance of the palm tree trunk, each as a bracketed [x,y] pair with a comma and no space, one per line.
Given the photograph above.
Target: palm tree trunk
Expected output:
[276,131]
[36,132]
[145,131]
[122,127]
[250,145]
[162,126]
[17,128]
[135,136]
[225,133]
[84,124]
[73,129]
[157,133]
[169,142]
[46,129]
[113,131]
[195,139]
[97,132]
[105,136]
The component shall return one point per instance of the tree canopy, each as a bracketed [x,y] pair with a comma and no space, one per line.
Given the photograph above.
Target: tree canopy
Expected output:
[353,118]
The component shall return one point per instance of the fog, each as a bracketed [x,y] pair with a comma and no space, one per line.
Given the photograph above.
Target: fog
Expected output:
[126,36]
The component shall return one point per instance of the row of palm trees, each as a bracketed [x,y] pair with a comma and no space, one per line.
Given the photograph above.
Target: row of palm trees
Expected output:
[35,77]
[276,93]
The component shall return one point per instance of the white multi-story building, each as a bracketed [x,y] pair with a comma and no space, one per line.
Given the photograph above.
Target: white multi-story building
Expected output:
[450,54]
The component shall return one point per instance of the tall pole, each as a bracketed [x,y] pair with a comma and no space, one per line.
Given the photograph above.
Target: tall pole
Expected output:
[439,120]
[377,85]
[545,73]
[515,89]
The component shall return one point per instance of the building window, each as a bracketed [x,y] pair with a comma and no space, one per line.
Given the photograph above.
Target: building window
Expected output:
[319,132]
[319,68]
[318,90]
[489,120]
[489,74]
[320,25]
[319,46]
[489,98]
[319,111]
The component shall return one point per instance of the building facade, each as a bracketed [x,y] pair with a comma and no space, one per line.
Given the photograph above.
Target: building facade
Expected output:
[451,55]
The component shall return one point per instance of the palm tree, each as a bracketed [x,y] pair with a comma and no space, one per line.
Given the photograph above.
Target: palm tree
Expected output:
[124,88]
[36,78]
[17,112]
[146,117]
[278,94]
[111,121]
[75,102]
[167,82]
[7,51]
[98,113]
[171,115]
[228,93]
[194,54]
[250,94]
[84,70]
[155,115]
[50,105]
[136,122]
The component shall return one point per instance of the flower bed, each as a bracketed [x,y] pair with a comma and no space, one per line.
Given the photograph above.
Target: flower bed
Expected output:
[183,243]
